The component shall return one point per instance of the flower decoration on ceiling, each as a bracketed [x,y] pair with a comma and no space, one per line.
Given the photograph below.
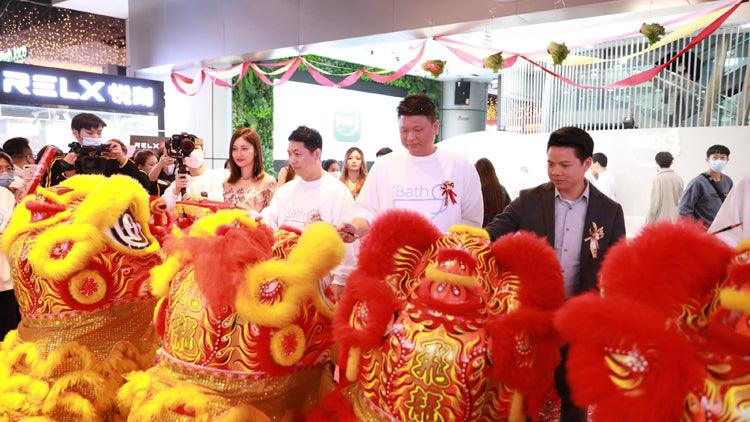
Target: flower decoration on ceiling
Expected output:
[653,32]
[494,62]
[435,67]
[558,52]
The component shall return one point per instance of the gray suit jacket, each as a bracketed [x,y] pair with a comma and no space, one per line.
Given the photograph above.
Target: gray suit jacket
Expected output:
[534,211]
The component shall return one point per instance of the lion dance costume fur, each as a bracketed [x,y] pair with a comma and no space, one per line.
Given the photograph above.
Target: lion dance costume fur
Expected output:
[80,255]
[446,327]
[667,339]
[244,323]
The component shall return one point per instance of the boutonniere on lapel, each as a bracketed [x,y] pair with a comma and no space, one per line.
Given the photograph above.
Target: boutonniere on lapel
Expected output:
[595,234]
[447,192]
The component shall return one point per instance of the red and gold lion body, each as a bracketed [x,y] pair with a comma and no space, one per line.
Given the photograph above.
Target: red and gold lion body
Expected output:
[244,323]
[80,256]
[446,327]
[668,337]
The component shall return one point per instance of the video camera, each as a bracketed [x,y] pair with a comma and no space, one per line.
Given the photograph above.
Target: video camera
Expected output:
[179,146]
[92,159]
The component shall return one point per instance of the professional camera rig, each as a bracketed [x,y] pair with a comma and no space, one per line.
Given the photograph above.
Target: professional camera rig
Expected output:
[92,158]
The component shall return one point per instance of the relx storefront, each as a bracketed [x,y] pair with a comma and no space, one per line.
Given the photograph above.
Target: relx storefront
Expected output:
[38,103]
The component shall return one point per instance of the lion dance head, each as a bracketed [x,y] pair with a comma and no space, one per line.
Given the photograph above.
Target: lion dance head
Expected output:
[244,323]
[668,337]
[80,255]
[446,327]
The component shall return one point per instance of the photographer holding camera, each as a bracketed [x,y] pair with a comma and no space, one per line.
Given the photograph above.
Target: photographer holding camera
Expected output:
[192,180]
[89,156]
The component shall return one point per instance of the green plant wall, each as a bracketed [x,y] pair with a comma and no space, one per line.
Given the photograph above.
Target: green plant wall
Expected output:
[252,100]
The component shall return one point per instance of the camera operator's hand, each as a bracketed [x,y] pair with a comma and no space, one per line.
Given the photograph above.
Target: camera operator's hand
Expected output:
[71,158]
[180,181]
[116,152]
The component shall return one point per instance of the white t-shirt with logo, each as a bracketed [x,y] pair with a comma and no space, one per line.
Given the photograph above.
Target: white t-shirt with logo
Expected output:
[429,185]
[299,203]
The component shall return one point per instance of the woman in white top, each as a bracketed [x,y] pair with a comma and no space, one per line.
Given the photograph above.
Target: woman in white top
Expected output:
[355,171]
[248,185]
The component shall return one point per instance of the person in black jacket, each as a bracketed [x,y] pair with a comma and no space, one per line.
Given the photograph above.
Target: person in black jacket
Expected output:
[579,221]
[107,160]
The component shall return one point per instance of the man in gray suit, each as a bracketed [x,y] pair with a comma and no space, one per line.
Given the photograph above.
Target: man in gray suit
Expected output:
[579,221]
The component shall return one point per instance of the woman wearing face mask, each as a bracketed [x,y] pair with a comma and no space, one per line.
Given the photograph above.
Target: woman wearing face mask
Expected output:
[248,185]
[355,170]
[198,182]
[9,315]
[332,166]
[147,162]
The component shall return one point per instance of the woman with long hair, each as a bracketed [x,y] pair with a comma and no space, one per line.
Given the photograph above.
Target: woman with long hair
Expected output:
[248,185]
[355,170]
[495,196]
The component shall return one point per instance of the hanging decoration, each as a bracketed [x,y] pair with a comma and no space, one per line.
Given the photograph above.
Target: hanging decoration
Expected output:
[653,32]
[558,51]
[710,19]
[435,67]
[494,62]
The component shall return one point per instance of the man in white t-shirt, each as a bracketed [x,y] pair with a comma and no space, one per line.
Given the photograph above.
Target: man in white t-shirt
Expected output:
[313,196]
[199,182]
[441,185]
[601,177]
[732,222]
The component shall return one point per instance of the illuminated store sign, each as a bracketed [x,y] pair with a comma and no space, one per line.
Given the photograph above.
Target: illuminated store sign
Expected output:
[41,86]
[14,54]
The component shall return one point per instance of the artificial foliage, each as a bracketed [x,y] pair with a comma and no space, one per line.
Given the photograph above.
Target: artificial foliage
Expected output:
[252,100]
[252,106]
[653,32]
[494,62]
[558,51]
[435,67]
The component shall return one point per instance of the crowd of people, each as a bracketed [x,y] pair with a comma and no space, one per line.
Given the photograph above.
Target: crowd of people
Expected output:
[576,211]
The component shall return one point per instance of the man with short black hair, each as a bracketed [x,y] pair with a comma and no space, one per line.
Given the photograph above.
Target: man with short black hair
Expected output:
[579,221]
[440,184]
[313,196]
[704,194]
[21,154]
[383,151]
[602,178]
[665,190]
[87,131]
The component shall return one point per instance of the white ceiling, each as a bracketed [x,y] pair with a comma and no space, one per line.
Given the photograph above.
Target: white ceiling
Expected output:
[520,33]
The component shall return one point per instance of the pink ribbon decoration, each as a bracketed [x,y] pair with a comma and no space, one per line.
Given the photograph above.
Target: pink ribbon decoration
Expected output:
[647,75]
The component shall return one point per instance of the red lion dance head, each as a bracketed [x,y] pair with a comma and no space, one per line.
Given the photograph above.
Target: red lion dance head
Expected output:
[667,339]
[80,256]
[446,326]
[244,323]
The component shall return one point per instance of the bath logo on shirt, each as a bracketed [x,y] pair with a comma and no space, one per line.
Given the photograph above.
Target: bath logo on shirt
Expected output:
[430,201]
[301,216]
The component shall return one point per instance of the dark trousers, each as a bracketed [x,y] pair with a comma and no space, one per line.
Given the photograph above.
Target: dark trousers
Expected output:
[569,412]
[9,315]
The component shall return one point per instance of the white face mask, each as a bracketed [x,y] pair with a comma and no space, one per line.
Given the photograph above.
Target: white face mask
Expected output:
[717,165]
[680,68]
[336,174]
[195,160]
[169,170]
[91,142]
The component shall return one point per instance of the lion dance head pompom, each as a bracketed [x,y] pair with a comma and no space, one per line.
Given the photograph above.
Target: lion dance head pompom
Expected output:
[668,337]
[446,327]
[80,255]
[244,322]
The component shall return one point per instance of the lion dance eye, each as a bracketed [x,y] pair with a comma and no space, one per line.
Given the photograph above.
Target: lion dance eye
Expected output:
[128,232]
[270,292]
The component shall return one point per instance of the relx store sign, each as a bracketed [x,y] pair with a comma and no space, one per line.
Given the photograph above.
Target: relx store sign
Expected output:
[44,87]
